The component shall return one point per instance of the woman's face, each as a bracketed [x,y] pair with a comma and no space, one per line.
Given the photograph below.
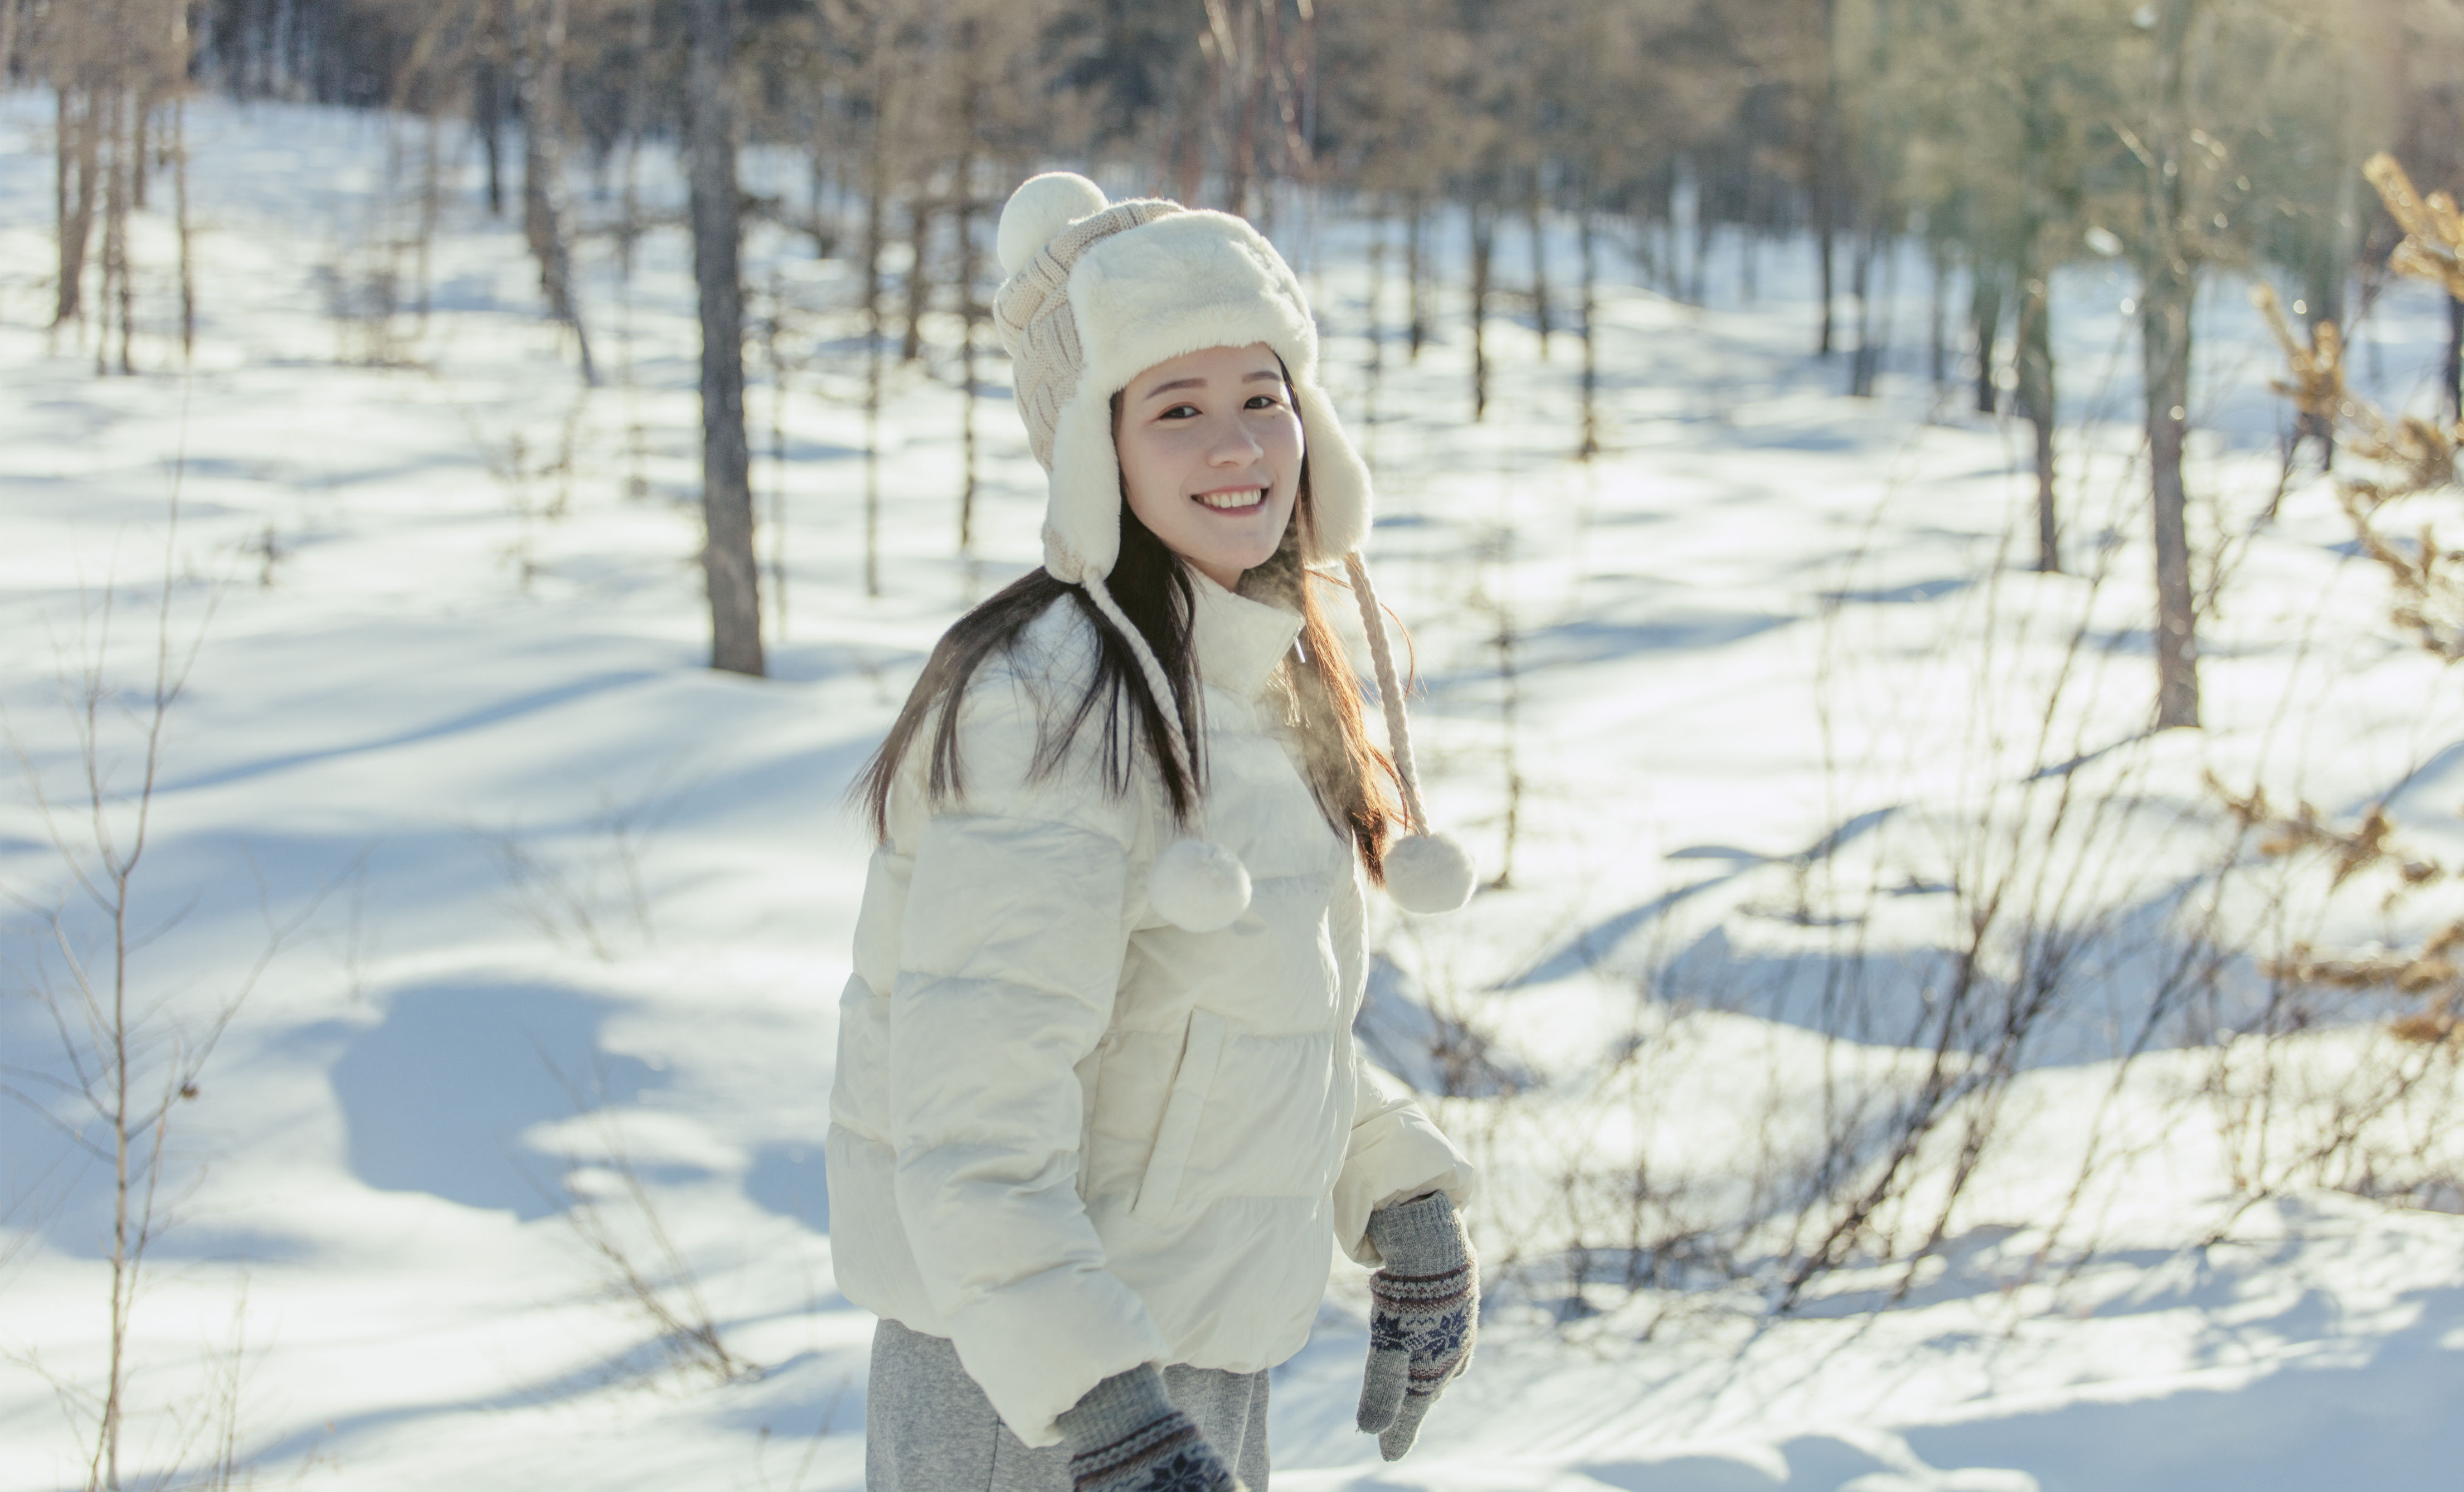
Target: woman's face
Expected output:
[1210,450]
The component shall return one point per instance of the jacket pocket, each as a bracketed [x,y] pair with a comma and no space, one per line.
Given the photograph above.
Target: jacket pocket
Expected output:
[1091,1078]
[1201,1051]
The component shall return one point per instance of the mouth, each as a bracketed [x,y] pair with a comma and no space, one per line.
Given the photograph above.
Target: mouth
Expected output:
[1232,500]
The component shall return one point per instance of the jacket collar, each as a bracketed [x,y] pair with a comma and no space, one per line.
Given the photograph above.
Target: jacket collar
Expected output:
[1238,641]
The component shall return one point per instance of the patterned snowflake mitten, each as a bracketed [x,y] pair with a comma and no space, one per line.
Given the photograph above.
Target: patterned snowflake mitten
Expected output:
[1124,1435]
[1424,1313]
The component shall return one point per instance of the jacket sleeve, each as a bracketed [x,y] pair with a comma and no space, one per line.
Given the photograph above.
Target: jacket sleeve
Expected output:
[1017,923]
[1395,1154]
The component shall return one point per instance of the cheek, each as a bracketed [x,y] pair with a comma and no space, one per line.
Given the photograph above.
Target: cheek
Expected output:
[1145,471]
[1285,448]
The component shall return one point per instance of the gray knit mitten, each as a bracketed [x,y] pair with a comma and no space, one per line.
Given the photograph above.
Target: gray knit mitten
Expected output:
[1424,1311]
[1124,1435]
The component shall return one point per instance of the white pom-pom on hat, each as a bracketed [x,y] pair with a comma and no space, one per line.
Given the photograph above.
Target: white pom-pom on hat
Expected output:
[1198,885]
[1430,874]
[1036,212]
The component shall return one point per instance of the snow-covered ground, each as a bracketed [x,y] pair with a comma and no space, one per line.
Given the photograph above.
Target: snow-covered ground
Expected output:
[554,903]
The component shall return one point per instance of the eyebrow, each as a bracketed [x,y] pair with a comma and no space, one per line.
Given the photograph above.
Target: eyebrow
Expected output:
[1267,374]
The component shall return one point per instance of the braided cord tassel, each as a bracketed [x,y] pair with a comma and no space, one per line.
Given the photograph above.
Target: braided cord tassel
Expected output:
[1157,684]
[1425,871]
[1390,691]
[1196,883]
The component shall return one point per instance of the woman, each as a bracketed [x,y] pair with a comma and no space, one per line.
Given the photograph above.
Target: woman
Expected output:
[1098,1112]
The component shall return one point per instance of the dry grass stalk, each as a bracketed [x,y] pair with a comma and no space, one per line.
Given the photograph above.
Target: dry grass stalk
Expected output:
[2434,231]
[129,1047]
[2429,973]
[625,1229]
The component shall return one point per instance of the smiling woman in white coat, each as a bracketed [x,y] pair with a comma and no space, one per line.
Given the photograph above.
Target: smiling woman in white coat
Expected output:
[1099,1121]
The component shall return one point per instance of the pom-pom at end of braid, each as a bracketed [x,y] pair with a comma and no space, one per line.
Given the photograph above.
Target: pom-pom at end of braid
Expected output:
[1198,885]
[1430,874]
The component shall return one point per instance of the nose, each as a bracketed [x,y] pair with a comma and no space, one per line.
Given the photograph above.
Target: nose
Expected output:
[1234,444]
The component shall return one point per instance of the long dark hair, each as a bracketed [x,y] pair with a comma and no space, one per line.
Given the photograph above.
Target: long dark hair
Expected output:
[1348,775]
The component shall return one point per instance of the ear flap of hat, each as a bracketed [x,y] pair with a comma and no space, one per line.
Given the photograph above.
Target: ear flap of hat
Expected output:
[1082,523]
[1338,480]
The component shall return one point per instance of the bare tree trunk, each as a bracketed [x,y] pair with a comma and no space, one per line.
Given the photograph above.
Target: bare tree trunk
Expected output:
[1656,237]
[2329,259]
[2453,377]
[1484,237]
[1539,264]
[2035,402]
[920,279]
[184,229]
[64,161]
[117,299]
[1241,161]
[637,112]
[728,565]
[962,223]
[8,39]
[432,191]
[79,109]
[819,225]
[1189,163]
[1297,65]
[1826,184]
[142,116]
[1415,269]
[2164,326]
[1864,365]
[2033,339]
[1591,445]
[1985,314]
[1749,233]
[772,326]
[1825,233]
[542,73]
[876,209]
[1698,273]
[1938,317]
[1265,59]
[2168,286]
[488,96]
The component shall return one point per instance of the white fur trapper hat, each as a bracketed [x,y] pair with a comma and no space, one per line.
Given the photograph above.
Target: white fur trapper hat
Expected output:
[1096,294]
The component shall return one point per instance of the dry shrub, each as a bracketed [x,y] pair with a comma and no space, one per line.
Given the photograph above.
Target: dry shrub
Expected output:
[2407,460]
[2425,975]
[2408,456]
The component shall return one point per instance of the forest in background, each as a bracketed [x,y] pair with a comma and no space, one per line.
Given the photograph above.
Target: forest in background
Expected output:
[1950,157]
[2002,138]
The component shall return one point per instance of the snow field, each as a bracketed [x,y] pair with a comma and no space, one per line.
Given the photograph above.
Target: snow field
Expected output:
[580,906]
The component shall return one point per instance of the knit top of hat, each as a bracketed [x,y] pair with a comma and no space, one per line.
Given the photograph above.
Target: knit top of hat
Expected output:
[1039,328]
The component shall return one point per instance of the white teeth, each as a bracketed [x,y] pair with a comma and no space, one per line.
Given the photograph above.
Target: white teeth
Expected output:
[1245,497]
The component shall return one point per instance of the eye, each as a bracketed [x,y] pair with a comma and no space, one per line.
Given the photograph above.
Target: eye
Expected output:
[1263,402]
[1179,411]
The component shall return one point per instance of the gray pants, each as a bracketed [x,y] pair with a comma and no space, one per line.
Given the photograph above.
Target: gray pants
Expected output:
[928,1428]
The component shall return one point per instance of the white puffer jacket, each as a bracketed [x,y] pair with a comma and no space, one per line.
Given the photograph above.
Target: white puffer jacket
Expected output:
[1068,1135]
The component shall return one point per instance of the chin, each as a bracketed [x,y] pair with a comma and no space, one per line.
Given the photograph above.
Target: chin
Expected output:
[1244,559]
